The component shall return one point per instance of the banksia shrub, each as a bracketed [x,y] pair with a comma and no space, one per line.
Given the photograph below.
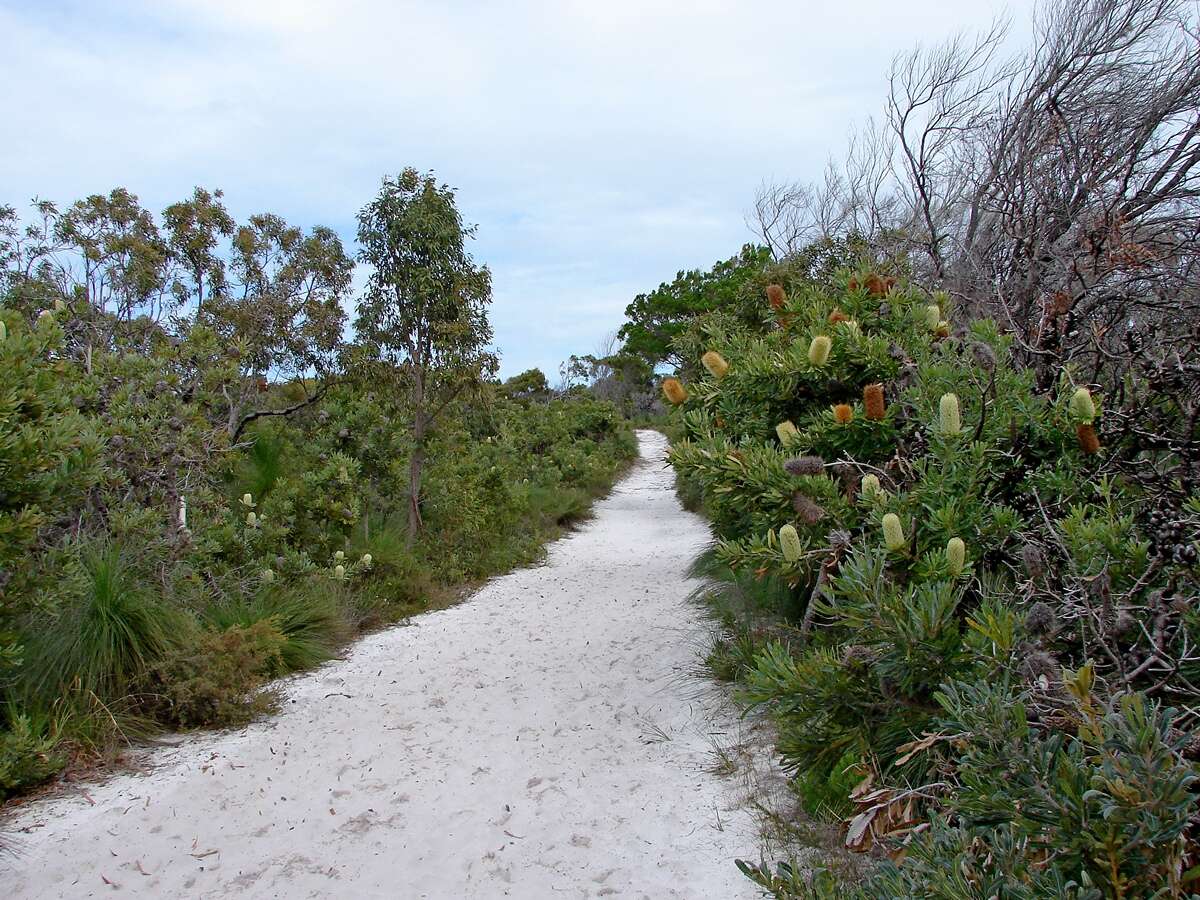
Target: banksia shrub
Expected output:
[789,542]
[776,297]
[843,413]
[674,391]
[1082,406]
[949,418]
[956,556]
[805,465]
[1088,441]
[786,431]
[873,402]
[893,533]
[818,350]
[715,363]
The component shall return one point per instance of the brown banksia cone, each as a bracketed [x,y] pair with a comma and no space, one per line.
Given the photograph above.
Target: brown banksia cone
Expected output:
[805,465]
[1088,442]
[853,284]
[873,403]
[807,510]
[776,297]
[838,316]
[876,286]
[843,413]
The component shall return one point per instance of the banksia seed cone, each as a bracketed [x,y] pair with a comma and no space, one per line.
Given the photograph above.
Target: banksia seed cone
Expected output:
[893,533]
[1040,619]
[786,431]
[674,391]
[818,350]
[776,297]
[838,316]
[956,556]
[805,465]
[807,510]
[843,413]
[789,542]
[1034,560]
[873,403]
[933,315]
[339,571]
[1082,406]
[869,486]
[1088,442]
[715,363]
[950,421]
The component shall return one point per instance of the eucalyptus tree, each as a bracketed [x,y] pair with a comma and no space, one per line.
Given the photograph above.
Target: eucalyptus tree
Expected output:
[422,321]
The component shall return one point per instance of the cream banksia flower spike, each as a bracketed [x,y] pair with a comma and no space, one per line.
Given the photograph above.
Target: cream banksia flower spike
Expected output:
[818,350]
[248,501]
[789,542]
[3,332]
[893,533]
[268,576]
[933,316]
[949,418]
[339,572]
[339,556]
[715,363]
[869,487]
[786,431]
[956,556]
[252,519]
[366,560]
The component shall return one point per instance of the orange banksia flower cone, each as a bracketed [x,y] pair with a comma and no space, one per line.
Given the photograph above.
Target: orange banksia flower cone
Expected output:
[776,297]
[873,402]
[1088,442]
[843,413]
[674,391]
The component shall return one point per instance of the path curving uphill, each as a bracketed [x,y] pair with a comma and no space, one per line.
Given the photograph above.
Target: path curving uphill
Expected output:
[542,739]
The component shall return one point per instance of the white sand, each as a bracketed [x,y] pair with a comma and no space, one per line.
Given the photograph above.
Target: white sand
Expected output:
[544,739]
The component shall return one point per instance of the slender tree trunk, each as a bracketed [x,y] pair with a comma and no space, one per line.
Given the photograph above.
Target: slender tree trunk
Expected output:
[415,464]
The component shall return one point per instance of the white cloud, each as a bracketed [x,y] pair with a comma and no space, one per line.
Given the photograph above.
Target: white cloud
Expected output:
[601,147]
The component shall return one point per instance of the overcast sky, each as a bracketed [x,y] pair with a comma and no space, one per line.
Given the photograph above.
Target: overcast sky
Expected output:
[600,146]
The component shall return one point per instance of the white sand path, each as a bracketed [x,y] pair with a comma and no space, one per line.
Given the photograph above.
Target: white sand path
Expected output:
[543,739]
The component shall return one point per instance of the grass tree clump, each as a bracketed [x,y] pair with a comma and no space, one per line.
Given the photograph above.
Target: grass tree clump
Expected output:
[987,669]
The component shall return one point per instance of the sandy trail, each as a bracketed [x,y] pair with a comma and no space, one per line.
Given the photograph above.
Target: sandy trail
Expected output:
[543,739]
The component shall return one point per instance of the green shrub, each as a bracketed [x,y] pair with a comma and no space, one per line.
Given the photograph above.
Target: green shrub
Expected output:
[216,677]
[29,754]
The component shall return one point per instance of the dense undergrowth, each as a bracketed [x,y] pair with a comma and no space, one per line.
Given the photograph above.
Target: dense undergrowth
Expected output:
[198,500]
[968,604]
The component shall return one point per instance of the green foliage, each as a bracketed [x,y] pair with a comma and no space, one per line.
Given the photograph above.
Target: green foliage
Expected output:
[205,486]
[934,614]
[216,677]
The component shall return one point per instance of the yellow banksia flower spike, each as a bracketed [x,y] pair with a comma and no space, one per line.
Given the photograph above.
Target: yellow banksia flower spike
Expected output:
[789,542]
[950,419]
[869,486]
[893,533]
[1082,406]
[956,556]
[786,431]
[717,367]
[818,350]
